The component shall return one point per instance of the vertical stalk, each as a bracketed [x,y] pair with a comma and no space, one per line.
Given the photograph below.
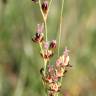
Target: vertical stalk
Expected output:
[61,15]
[46,30]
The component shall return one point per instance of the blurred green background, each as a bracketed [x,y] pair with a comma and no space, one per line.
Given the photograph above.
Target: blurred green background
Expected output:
[20,61]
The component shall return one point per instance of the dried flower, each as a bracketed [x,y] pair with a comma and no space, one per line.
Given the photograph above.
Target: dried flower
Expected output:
[53,44]
[45,6]
[55,72]
[47,54]
[39,36]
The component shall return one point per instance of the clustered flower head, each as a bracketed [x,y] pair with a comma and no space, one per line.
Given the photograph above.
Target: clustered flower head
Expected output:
[55,73]
[52,74]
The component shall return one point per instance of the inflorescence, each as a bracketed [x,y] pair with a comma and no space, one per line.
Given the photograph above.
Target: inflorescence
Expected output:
[52,74]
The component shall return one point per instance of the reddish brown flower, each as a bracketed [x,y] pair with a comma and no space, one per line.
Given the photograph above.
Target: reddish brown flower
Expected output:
[47,54]
[39,36]
[53,44]
[45,6]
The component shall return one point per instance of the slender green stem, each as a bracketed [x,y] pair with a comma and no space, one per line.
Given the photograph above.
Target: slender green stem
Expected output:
[61,14]
[40,44]
[46,29]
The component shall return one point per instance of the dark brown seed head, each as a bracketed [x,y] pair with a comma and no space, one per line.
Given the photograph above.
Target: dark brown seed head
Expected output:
[47,54]
[45,6]
[38,37]
[53,44]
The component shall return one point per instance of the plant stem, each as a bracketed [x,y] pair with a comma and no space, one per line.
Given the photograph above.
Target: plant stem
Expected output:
[41,47]
[61,14]
[46,29]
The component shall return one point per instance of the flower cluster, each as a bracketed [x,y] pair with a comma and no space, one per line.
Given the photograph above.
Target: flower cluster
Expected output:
[52,74]
[47,47]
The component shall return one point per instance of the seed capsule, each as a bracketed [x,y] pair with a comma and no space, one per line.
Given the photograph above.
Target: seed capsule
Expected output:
[38,37]
[45,6]
[47,54]
[53,44]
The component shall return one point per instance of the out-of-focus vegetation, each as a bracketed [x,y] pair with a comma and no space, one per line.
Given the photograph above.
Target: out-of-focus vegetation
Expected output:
[20,61]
